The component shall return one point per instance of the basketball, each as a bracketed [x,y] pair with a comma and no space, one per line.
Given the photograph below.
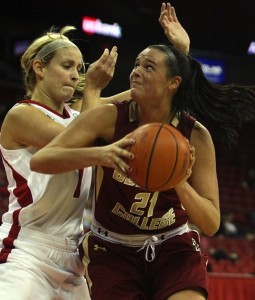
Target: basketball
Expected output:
[161,157]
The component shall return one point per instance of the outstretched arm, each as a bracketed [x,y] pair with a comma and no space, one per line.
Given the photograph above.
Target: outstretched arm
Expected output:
[126,95]
[173,29]
[73,148]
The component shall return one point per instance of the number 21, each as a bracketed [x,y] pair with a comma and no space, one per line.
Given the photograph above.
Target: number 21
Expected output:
[139,206]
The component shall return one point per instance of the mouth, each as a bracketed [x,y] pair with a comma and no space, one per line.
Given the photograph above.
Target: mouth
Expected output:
[69,87]
[135,83]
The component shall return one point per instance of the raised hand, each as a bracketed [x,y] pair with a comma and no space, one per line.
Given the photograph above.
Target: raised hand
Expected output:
[97,77]
[173,29]
[101,71]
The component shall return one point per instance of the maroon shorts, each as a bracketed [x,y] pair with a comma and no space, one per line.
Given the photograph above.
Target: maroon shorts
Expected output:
[118,272]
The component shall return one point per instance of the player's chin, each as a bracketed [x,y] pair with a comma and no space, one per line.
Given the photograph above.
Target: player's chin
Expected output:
[66,97]
[137,95]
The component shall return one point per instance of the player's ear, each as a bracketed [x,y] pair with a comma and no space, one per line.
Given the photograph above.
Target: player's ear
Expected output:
[38,67]
[174,82]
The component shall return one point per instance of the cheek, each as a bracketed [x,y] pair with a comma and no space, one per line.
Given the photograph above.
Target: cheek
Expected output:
[57,79]
[131,76]
[59,74]
[52,82]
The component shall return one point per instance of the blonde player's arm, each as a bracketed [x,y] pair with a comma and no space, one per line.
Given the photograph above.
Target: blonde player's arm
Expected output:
[76,105]
[126,95]
[98,75]
[18,133]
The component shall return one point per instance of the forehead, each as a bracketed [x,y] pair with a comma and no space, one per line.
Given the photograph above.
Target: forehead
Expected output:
[152,54]
[70,53]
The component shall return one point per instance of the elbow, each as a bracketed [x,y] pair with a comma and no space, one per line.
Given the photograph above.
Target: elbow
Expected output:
[34,166]
[39,166]
[212,227]
[211,232]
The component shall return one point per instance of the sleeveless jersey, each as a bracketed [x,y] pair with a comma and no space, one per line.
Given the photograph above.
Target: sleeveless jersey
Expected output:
[124,208]
[52,204]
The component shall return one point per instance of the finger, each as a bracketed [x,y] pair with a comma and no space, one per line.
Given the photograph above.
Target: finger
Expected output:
[192,160]
[163,7]
[192,150]
[119,170]
[123,167]
[163,13]
[189,172]
[110,66]
[126,141]
[173,13]
[114,50]
[169,10]
[125,154]
[104,56]
[112,58]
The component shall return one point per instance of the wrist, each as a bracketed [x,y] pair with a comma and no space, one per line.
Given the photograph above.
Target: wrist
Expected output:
[185,49]
[92,91]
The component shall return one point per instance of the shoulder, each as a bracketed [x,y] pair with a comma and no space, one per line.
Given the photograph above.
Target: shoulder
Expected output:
[201,136]
[200,130]
[23,124]
[21,112]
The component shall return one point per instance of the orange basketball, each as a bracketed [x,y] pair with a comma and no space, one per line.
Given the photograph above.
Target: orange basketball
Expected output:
[162,157]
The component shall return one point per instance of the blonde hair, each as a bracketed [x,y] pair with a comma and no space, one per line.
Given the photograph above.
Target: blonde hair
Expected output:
[32,51]
[78,93]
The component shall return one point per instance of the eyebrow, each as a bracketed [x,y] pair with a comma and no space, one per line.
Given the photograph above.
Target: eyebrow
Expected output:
[72,61]
[146,59]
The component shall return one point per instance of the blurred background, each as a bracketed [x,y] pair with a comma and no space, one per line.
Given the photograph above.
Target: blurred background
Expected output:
[222,37]
[221,33]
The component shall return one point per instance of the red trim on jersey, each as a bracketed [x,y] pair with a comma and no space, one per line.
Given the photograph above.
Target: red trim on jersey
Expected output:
[65,114]
[77,191]
[22,191]
[9,243]
[24,198]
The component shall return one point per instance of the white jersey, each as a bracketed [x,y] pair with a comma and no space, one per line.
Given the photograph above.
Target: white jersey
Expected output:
[51,204]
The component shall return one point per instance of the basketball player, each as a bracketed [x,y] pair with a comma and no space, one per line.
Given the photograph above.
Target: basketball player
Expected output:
[140,245]
[40,231]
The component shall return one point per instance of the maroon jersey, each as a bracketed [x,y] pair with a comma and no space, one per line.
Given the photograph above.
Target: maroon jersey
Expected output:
[155,267]
[125,208]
